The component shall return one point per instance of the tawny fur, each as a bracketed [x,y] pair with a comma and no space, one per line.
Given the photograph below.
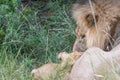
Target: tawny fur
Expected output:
[96,64]
[97,21]
[45,71]
[50,70]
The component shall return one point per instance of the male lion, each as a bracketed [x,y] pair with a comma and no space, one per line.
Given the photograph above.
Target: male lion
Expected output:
[99,26]
[98,23]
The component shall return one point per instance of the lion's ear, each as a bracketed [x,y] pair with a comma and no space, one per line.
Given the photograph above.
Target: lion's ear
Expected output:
[91,19]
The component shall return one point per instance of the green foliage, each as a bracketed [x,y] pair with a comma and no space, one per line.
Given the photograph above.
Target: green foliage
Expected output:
[32,35]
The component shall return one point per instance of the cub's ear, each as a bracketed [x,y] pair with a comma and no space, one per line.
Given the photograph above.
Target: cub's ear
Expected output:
[91,19]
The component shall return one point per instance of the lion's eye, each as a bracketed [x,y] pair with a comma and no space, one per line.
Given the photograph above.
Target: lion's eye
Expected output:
[82,36]
[90,19]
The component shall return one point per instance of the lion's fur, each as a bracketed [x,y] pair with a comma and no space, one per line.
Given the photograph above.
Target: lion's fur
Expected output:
[96,64]
[97,21]
[51,70]
[45,71]
[98,24]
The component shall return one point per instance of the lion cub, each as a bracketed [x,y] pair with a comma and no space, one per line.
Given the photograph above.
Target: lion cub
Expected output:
[52,70]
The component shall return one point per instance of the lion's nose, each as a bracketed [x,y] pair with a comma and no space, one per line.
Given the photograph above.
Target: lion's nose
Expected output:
[79,46]
[75,46]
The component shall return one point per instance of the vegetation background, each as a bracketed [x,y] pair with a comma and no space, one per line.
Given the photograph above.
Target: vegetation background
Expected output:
[33,33]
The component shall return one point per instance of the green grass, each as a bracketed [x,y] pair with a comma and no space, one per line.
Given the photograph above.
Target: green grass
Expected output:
[33,35]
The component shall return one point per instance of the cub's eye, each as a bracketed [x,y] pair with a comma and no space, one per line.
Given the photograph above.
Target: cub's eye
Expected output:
[90,19]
